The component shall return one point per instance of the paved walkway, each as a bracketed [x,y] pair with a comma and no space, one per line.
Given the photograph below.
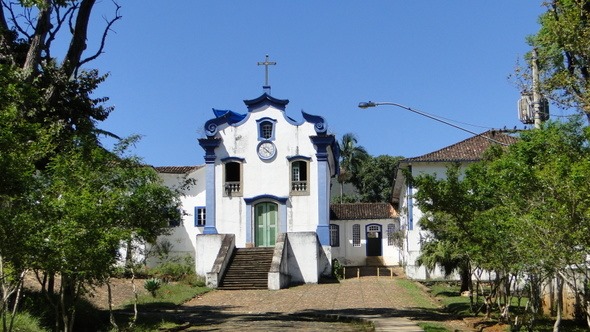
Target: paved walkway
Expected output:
[379,300]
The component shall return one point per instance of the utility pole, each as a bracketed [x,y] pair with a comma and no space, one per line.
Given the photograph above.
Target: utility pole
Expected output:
[536,93]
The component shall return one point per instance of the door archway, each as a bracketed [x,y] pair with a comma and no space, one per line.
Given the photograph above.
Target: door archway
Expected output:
[374,243]
[266,224]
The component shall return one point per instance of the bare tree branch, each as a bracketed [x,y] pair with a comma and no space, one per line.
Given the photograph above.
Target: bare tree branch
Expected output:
[78,43]
[60,19]
[104,35]
[14,19]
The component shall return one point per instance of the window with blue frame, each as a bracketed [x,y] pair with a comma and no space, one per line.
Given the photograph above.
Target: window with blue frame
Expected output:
[266,129]
[200,216]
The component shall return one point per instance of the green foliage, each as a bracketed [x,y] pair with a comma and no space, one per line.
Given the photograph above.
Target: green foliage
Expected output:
[25,322]
[563,47]
[523,212]
[152,285]
[169,296]
[375,178]
[173,271]
[337,269]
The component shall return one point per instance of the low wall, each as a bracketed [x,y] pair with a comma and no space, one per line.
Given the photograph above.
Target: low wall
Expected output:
[278,276]
[307,259]
[213,252]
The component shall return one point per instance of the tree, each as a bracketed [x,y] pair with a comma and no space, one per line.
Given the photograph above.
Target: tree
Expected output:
[374,178]
[64,87]
[21,143]
[351,158]
[523,211]
[563,47]
[68,203]
[90,202]
[447,215]
[544,188]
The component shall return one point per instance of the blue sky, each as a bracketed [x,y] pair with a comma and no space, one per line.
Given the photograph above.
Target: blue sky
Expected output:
[171,64]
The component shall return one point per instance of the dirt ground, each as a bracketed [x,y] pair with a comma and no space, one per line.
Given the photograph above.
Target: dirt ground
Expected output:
[121,291]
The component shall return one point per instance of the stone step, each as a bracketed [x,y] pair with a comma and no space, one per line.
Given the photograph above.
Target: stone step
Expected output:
[248,269]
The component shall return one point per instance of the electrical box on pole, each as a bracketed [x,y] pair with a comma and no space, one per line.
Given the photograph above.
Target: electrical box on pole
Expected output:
[532,107]
[526,109]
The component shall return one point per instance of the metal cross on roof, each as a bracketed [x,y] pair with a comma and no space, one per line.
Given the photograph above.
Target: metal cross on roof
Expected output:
[266,63]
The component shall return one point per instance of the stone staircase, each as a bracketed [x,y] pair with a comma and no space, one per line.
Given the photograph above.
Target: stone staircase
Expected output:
[248,269]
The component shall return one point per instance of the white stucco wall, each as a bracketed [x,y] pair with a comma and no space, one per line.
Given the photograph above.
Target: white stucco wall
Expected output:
[415,234]
[183,237]
[349,255]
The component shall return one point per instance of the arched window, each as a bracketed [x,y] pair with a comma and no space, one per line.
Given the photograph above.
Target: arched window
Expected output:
[334,235]
[356,235]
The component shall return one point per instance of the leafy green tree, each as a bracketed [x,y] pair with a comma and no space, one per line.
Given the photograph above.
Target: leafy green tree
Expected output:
[563,47]
[352,157]
[374,178]
[90,202]
[544,188]
[68,203]
[523,211]
[448,214]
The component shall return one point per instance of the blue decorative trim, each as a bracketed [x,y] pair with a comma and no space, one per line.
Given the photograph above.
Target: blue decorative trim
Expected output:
[375,224]
[231,116]
[298,157]
[196,216]
[282,200]
[234,159]
[209,145]
[319,124]
[323,228]
[322,143]
[410,201]
[266,100]
[210,199]
[282,213]
[323,232]
[259,123]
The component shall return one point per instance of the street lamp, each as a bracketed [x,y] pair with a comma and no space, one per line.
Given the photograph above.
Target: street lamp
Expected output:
[368,104]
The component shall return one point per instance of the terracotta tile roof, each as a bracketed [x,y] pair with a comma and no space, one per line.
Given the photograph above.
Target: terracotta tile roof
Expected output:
[359,211]
[471,149]
[176,169]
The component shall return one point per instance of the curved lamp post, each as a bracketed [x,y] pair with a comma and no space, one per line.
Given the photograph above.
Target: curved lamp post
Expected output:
[368,104]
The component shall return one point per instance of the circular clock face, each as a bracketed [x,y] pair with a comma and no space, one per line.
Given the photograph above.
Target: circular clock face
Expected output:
[266,150]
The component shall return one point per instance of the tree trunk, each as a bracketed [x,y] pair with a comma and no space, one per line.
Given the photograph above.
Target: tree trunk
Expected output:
[110,299]
[38,41]
[78,41]
[559,304]
[465,279]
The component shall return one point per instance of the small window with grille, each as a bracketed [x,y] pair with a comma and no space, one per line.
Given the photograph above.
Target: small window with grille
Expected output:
[200,216]
[356,235]
[334,235]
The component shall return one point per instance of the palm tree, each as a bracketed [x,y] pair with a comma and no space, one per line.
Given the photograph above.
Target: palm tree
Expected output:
[351,158]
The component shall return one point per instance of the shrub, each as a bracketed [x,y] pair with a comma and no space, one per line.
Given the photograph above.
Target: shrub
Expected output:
[174,270]
[152,285]
[337,269]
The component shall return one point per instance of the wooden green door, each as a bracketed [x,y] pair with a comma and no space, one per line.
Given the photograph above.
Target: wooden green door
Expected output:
[266,224]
